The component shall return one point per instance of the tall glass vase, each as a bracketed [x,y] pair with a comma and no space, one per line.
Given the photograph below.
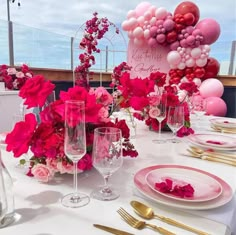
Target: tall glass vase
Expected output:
[8,185]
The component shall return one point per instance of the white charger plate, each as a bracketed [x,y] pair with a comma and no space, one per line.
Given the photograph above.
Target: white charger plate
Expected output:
[214,141]
[223,122]
[142,186]
[205,187]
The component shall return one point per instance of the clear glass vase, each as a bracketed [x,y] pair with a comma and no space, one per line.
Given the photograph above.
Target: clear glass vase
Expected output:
[8,185]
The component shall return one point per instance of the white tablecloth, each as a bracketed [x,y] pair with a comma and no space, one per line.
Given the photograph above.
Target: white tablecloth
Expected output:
[41,212]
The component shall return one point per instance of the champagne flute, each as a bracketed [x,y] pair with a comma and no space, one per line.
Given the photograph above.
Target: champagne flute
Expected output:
[199,108]
[107,159]
[175,120]
[160,114]
[75,147]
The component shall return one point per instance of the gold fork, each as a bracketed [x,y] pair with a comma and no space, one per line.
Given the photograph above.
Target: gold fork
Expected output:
[139,224]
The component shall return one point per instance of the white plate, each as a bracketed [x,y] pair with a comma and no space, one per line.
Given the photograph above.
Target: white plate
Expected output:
[140,183]
[205,187]
[214,141]
[224,122]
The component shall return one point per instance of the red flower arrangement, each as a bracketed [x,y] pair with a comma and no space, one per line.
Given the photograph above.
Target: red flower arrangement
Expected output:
[46,139]
[142,94]
[14,79]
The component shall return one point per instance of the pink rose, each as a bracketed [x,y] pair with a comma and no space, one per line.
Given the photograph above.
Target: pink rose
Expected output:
[20,75]
[11,71]
[154,112]
[42,172]
[65,167]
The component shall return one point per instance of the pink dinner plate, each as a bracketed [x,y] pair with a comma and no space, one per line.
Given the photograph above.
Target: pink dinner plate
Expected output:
[142,186]
[214,141]
[205,186]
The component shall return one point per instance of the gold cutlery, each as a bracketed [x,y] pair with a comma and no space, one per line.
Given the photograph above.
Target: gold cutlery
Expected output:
[226,156]
[148,213]
[139,224]
[112,230]
[224,129]
[209,158]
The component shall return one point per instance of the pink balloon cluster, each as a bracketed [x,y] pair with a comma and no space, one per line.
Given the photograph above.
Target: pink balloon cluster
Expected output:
[211,91]
[188,57]
[152,25]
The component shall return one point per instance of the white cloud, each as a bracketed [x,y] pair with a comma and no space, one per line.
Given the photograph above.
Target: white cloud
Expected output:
[65,17]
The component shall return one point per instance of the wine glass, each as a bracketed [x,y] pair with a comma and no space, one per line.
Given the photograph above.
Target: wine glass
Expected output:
[175,120]
[199,108]
[75,147]
[107,159]
[159,112]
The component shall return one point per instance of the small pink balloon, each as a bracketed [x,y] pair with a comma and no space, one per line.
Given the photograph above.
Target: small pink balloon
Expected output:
[152,9]
[173,58]
[161,13]
[146,33]
[190,62]
[210,30]
[174,45]
[147,15]
[197,81]
[130,34]
[153,31]
[196,52]
[138,32]
[181,65]
[211,87]
[133,22]
[142,7]
[141,20]
[161,38]
[201,62]
[190,40]
[125,25]
[152,42]
[215,106]
[153,21]
[131,13]
[168,24]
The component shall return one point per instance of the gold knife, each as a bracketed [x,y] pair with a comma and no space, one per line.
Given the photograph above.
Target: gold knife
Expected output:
[112,230]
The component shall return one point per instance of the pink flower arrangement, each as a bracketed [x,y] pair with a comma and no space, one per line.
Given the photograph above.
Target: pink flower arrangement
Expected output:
[46,139]
[13,78]
[143,94]
[95,29]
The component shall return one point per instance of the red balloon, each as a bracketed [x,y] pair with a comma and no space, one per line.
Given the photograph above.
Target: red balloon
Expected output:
[212,68]
[189,18]
[188,7]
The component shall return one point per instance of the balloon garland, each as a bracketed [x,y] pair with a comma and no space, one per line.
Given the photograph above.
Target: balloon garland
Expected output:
[188,39]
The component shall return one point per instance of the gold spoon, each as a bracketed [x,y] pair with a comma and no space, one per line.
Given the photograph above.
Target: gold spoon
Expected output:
[148,213]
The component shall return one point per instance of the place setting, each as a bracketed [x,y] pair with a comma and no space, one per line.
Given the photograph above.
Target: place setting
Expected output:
[182,187]
[223,125]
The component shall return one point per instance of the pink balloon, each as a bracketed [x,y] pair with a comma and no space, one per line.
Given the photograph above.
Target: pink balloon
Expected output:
[161,13]
[211,87]
[125,25]
[173,58]
[131,13]
[215,106]
[141,8]
[210,30]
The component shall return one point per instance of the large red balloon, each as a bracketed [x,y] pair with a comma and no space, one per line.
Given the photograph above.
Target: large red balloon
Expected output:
[188,7]
[212,68]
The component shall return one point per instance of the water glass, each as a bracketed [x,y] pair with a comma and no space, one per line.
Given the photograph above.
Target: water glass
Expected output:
[107,159]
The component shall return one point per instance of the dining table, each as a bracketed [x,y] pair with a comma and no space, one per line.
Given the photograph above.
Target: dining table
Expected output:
[38,208]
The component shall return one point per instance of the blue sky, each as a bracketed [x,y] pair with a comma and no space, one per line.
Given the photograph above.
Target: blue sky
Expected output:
[66,17]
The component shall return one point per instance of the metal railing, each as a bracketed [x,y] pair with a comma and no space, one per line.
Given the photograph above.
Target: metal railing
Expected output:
[43,49]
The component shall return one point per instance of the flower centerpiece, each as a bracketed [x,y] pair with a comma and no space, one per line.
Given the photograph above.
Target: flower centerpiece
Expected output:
[143,94]
[13,78]
[46,139]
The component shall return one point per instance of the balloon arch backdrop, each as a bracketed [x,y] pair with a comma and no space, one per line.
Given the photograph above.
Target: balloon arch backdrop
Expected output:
[188,41]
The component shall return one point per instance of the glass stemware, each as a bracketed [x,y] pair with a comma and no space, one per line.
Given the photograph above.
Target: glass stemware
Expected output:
[107,159]
[75,147]
[3,199]
[160,115]
[199,108]
[175,120]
